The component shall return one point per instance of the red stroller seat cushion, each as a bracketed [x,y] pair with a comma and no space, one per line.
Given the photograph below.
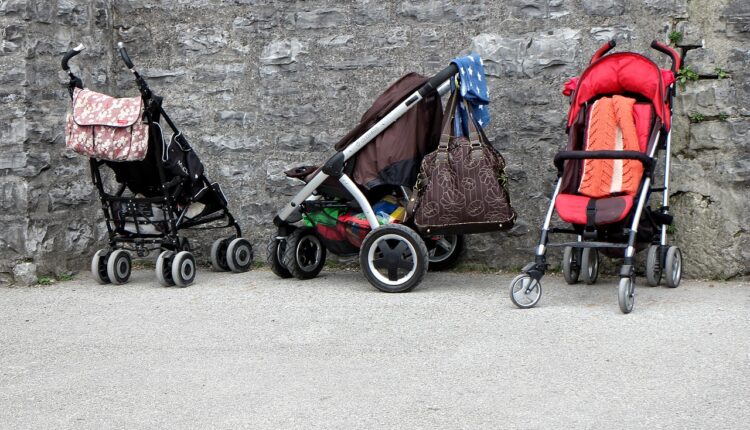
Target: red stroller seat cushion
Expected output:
[572,208]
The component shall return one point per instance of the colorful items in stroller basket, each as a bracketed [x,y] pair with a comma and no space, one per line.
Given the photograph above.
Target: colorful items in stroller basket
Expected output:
[344,229]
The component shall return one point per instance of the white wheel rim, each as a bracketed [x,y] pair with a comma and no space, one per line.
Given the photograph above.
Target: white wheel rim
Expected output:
[520,288]
[301,253]
[187,269]
[446,245]
[593,263]
[376,271]
[122,266]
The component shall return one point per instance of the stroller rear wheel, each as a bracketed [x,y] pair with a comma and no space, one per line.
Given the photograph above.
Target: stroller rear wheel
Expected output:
[653,265]
[393,258]
[183,269]
[164,268]
[589,265]
[571,264]
[275,257]
[626,295]
[99,266]
[673,266]
[525,291]
[119,266]
[239,255]
[304,255]
[446,250]
[219,255]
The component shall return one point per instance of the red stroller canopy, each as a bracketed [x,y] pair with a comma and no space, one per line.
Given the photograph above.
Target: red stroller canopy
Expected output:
[624,72]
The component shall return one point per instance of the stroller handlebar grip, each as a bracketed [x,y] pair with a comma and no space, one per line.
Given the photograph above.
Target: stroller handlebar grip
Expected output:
[434,82]
[676,60]
[70,54]
[124,55]
[603,50]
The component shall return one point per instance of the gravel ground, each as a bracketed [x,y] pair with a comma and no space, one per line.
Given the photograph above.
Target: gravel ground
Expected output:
[254,351]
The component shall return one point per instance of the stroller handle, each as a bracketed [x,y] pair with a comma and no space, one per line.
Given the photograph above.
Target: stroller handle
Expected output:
[676,60]
[434,82]
[124,55]
[70,54]
[603,50]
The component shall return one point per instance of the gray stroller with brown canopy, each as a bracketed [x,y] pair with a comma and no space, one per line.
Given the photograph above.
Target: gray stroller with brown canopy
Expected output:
[356,202]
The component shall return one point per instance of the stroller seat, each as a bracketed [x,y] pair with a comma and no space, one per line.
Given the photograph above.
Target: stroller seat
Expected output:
[623,111]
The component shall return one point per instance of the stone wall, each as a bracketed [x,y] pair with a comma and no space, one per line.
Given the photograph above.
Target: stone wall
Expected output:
[259,86]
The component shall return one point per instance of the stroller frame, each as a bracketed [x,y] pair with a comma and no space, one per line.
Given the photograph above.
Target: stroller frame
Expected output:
[660,256]
[175,264]
[309,198]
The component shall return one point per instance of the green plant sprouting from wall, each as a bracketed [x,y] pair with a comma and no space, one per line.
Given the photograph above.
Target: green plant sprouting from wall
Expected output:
[685,75]
[675,37]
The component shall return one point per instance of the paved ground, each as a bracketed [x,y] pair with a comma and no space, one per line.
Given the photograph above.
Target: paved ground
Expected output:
[254,351]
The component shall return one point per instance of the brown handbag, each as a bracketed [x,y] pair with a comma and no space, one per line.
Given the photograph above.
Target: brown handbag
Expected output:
[461,187]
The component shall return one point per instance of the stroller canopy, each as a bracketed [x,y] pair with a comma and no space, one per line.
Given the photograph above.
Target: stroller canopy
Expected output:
[623,73]
[394,156]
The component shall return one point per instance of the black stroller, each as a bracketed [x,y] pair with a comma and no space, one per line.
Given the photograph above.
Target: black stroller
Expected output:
[156,198]
[356,202]
[620,117]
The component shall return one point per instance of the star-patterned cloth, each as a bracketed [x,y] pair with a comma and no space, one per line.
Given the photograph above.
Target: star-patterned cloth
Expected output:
[473,89]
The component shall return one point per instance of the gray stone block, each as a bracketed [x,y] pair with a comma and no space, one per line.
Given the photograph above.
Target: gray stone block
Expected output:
[24,274]
[604,7]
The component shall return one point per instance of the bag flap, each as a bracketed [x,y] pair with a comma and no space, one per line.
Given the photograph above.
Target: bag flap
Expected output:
[92,108]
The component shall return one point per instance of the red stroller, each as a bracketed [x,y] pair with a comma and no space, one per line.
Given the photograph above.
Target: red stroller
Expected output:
[619,120]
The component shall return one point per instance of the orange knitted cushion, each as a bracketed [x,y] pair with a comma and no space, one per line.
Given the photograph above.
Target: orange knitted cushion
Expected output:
[611,127]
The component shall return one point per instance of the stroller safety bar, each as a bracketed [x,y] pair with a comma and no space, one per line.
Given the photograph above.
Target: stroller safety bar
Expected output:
[561,156]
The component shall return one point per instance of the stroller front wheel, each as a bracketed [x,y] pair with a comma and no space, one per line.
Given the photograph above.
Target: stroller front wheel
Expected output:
[304,255]
[99,267]
[525,291]
[239,255]
[119,267]
[653,265]
[275,257]
[164,268]
[183,269]
[673,266]
[393,258]
[219,255]
[626,295]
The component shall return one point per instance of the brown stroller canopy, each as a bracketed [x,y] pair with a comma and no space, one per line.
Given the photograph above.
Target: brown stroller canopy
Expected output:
[394,156]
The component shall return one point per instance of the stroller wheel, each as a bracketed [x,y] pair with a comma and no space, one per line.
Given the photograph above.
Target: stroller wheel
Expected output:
[673,267]
[275,257]
[393,258]
[118,267]
[99,267]
[219,255]
[183,269]
[164,268]
[525,291]
[239,255]
[571,264]
[304,255]
[589,265]
[445,251]
[653,265]
[626,295]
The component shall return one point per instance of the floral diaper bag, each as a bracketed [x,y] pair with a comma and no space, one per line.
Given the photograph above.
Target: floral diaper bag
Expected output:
[107,128]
